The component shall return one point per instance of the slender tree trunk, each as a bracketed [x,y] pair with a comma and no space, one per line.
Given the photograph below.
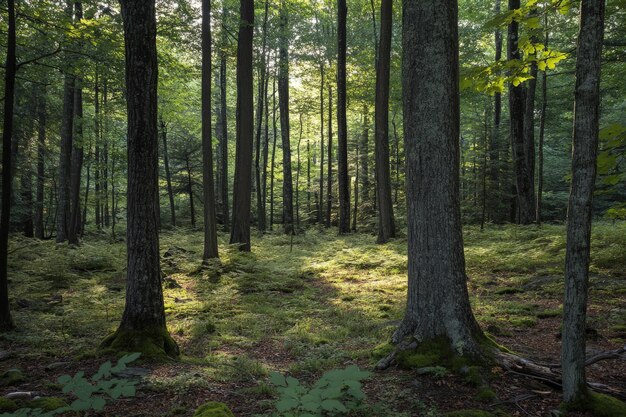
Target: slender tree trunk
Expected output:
[41,167]
[67,130]
[27,189]
[6,321]
[483,212]
[192,207]
[298,176]
[105,161]
[223,123]
[342,126]
[494,144]
[542,130]
[524,181]
[320,211]
[584,159]
[168,175]
[208,187]
[274,138]
[266,143]
[356,190]
[98,137]
[259,126]
[308,177]
[83,223]
[242,189]
[364,157]
[386,223]
[283,102]
[329,176]
[438,302]
[397,157]
[143,325]
[77,157]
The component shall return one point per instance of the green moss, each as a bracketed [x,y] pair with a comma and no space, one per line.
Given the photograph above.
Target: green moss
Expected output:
[485,394]
[213,409]
[473,376]
[11,377]
[155,343]
[556,312]
[600,405]
[523,321]
[6,405]
[47,403]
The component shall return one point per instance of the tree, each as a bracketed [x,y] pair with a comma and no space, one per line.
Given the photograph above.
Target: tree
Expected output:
[438,303]
[342,126]
[260,187]
[6,321]
[523,155]
[168,176]
[242,188]
[386,225]
[41,151]
[285,133]
[222,128]
[584,157]
[210,224]
[143,325]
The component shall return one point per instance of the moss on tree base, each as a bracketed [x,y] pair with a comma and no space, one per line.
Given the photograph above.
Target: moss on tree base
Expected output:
[599,405]
[154,343]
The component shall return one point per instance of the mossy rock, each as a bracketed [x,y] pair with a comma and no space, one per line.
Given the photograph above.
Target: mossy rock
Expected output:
[7,405]
[475,413]
[46,403]
[382,350]
[152,343]
[213,409]
[599,405]
[11,377]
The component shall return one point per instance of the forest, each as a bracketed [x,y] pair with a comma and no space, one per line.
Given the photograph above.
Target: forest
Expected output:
[301,208]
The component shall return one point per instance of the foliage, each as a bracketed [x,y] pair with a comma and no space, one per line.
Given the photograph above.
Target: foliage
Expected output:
[336,392]
[91,395]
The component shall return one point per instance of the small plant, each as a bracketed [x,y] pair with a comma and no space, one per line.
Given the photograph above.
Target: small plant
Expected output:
[335,393]
[91,395]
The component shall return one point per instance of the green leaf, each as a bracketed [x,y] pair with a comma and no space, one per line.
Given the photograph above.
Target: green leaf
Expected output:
[286,404]
[333,405]
[278,379]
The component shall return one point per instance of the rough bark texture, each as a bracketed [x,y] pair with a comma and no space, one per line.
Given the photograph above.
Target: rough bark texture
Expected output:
[329,176]
[240,232]
[495,213]
[342,126]
[285,133]
[260,207]
[542,130]
[438,302]
[6,321]
[363,160]
[584,155]
[386,224]
[320,209]
[76,164]
[27,188]
[522,159]
[41,152]
[273,162]
[208,188]
[67,130]
[143,324]
[222,131]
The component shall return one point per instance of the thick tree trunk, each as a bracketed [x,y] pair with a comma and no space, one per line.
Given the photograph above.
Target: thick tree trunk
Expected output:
[77,164]
[529,132]
[222,122]
[542,130]
[168,175]
[208,188]
[273,163]
[242,189]
[259,128]
[266,144]
[584,158]
[438,302]
[524,170]
[143,324]
[386,224]
[494,144]
[6,321]
[342,126]
[329,176]
[67,130]
[283,102]
[41,167]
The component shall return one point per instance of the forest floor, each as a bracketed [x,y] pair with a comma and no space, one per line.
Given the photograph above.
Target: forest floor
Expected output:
[320,302]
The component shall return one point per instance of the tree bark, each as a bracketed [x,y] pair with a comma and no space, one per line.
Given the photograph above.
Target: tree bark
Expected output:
[222,121]
[584,159]
[386,223]
[168,176]
[143,325]
[329,176]
[41,167]
[76,158]
[524,170]
[259,126]
[242,189]
[542,130]
[283,102]
[342,126]
[273,163]
[105,156]
[363,148]
[208,187]
[320,211]
[27,189]
[192,207]
[67,129]
[6,321]
[438,303]
[494,144]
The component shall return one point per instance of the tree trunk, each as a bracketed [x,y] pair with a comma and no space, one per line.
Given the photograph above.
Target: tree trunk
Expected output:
[259,126]
[494,144]
[41,167]
[266,144]
[584,158]
[192,207]
[274,137]
[105,161]
[83,222]
[208,188]
[438,302]
[67,130]
[143,327]
[524,181]
[98,138]
[342,126]
[283,102]
[364,157]
[542,130]
[242,189]
[27,189]
[356,190]
[386,224]
[76,161]
[168,175]
[6,321]
[298,166]
[397,157]
[320,209]
[329,176]
[222,121]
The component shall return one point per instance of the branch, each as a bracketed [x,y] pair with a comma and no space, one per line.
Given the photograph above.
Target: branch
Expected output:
[28,61]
